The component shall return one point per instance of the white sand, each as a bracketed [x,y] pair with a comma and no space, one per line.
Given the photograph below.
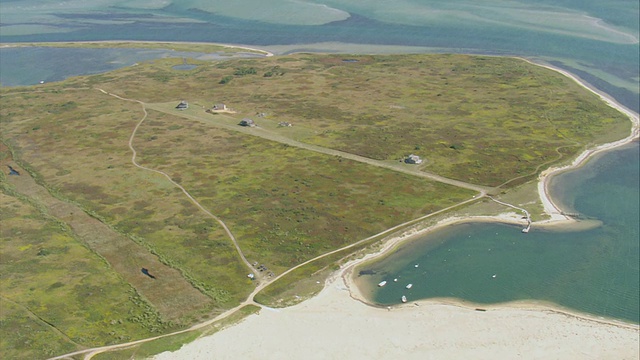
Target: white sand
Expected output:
[333,325]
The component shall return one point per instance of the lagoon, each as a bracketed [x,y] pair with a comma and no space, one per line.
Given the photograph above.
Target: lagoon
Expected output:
[598,41]
[593,271]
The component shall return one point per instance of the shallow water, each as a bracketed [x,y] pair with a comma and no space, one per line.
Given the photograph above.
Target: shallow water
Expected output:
[594,37]
[32,65]
[594,271]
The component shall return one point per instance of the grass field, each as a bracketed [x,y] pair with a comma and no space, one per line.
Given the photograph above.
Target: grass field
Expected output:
[99,220]
[56,294]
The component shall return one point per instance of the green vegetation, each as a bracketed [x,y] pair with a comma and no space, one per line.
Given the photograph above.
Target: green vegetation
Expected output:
[245,71]
[84,212]
[226,79]
[175,342]
[58,296]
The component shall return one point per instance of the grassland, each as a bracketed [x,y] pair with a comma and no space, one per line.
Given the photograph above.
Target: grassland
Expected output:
[476,119]
[480,120]
[56,294]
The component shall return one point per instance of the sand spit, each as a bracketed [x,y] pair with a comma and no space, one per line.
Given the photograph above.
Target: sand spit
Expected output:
[230,46]
[339,324]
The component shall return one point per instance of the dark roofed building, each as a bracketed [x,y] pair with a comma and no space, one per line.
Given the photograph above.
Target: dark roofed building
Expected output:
[247,122]
[183,105]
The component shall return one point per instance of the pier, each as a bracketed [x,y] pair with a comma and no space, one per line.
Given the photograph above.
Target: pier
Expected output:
[528,227]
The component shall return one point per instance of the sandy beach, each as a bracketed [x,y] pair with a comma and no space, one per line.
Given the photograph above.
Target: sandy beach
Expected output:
[339,324]
[333,325]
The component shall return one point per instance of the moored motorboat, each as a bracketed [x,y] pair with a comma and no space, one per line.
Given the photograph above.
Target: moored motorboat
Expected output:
[404,299]
[409,286]
[382,283]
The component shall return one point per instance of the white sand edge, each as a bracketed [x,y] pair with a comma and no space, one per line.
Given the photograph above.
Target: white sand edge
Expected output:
[243,47]
[549,206]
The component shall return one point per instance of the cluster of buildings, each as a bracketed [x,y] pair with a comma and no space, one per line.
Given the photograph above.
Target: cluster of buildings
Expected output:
[411,159]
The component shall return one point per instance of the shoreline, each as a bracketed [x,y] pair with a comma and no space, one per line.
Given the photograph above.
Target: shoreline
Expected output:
[334,324]
[550,207]
[556,219]
[233,46]
[529,305]
[347,275]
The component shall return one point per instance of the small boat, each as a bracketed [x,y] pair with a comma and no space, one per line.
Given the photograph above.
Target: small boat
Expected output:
[382,283]
[404,299]
[395,280]
[416,265]
[409,286]
[494,275]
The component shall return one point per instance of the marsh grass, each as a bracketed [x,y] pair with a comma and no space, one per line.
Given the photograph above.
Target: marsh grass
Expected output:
[58,296]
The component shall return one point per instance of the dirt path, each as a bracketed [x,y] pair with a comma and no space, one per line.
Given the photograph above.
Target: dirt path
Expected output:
[44,322]
[184,191]
[263,283]
[90,353]
[264,133]
[218,121]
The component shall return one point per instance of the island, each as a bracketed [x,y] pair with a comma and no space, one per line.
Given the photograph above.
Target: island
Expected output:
[135,217]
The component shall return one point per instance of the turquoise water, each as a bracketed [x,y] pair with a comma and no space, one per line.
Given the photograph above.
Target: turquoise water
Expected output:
[594,271]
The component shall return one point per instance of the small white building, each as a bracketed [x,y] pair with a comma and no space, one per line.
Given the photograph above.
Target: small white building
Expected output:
[413,159]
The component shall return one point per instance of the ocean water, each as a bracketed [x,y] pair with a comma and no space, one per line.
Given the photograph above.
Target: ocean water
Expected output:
[594,271]
[599,39]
